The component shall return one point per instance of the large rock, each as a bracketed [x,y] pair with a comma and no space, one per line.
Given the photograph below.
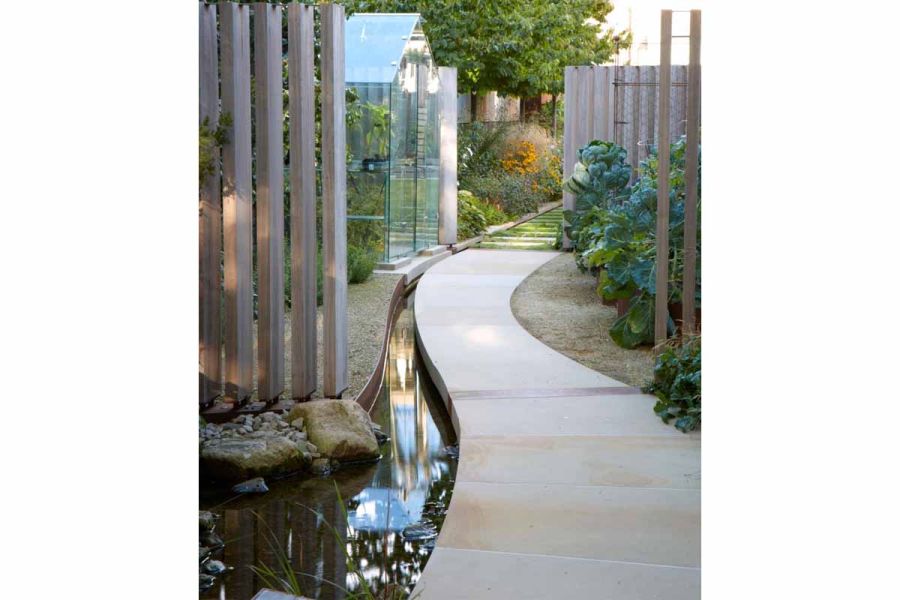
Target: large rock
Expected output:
[338,428]
[239,458]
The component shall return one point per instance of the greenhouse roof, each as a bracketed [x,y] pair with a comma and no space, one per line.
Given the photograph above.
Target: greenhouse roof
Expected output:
[375,43]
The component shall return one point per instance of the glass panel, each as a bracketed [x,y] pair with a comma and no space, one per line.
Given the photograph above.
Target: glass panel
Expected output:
[374,44]
[393,144]
[429,168]
[402,203]
[368,140]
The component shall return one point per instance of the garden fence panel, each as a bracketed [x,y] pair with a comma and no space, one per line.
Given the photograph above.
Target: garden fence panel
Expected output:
[269,199]
[304,246]
[210,218]
[226,203]
[623,108]
[237,201]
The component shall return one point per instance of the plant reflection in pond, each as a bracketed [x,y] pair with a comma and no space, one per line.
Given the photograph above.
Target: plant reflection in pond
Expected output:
[393,509]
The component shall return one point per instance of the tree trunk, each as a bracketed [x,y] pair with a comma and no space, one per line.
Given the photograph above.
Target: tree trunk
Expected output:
[553,105]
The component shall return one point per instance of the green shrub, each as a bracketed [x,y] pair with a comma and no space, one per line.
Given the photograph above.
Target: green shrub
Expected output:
[469,218]
[676,382]
[211,142]
[513,193]
[320,280]
[493,215]
[360,264]
[479,148]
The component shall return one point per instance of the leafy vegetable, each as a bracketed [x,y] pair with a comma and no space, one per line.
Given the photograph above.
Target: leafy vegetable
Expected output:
[614,233]
[676,382]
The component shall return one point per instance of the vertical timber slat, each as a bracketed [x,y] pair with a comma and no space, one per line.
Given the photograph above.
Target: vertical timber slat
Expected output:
[334,200]
[691,161]
[648,102]
[269,199]
[611,103]
[303,199]
[678,102]
[661,311]
[210,218]
[570,113]
[601,101]
[630,129]
[586,89]
[236,201]
[447,107]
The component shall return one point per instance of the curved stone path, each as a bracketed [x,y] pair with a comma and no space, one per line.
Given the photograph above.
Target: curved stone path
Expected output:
[568,485]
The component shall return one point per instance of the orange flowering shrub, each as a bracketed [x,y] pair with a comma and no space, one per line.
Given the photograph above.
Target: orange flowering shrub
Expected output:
[522,160]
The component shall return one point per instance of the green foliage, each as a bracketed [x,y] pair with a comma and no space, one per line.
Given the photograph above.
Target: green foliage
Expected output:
[613,230]
[211,142]
[479,147]
[366,197]
[360,264]
[676,382]
[320,280]
[471,221]
[515,194]
[378,129]
[493,214]
[517,47]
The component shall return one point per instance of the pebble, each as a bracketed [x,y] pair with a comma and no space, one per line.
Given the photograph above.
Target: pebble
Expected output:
[257,485]
[232,426]
[206,581]
[214,567]
[321,466]
[208,520]
[297,423]
[211,540]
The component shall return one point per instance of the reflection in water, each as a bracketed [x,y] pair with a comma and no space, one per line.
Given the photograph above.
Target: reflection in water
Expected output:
[391,507]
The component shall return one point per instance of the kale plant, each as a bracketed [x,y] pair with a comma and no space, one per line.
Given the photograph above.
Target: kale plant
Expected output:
[676,382]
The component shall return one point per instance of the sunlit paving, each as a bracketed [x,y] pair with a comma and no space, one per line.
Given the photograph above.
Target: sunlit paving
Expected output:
[450,302]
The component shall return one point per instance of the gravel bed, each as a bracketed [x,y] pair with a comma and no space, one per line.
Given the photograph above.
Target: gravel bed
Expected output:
[559,305]
[367,314]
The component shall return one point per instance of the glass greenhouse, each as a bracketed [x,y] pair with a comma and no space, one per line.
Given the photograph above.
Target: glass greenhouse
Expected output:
[392,137]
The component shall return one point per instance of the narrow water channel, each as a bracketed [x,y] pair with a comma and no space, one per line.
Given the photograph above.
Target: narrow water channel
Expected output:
[391,510]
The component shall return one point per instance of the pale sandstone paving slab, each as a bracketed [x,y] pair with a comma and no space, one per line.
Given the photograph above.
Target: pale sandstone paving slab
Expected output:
[664,461]
[657,526]
[614,414]
[454,574]
[568,483]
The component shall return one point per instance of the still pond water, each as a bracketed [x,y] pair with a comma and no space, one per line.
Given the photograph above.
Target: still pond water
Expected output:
[393,507]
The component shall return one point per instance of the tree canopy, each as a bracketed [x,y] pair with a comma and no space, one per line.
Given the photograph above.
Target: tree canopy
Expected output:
[517,47]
